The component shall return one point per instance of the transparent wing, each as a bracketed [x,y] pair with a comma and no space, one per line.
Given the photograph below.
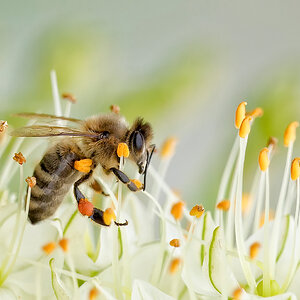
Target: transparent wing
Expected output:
[47,117]
[48,131]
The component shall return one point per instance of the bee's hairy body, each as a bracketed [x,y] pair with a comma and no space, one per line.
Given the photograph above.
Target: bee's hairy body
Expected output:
[55,174]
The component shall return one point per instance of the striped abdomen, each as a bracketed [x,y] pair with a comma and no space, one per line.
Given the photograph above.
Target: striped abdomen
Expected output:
[54,177]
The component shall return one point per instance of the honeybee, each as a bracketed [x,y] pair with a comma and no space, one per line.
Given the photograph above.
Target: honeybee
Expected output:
[95,139]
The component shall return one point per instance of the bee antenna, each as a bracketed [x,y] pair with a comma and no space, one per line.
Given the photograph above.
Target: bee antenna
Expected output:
[149,156]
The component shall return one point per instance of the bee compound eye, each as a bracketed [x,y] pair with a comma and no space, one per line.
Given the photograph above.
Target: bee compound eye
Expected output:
[104,135]
[138,141]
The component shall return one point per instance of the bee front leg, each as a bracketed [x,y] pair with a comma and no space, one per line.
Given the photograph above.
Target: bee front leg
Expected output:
[125,179]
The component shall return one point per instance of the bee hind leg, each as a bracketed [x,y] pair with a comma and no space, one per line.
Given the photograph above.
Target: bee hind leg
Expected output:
[125,179]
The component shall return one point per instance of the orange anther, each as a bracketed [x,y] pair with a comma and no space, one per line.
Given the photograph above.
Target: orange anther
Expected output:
[31,181]
[262,218]
[138,184]
[168,148]
[197,211]
[175,243]
[48,248]
[174,265]
[3,125]
[236,295]
[64,244]
[263,159]
[290,133]
[69,96]
[83,165]
[177,210]
[19,158]
[240,114]
[245,127]
[123,150]
[254,249]
[255,113]
[85,207]
[295,168]
[93,294]
[224,205]
[108,216]
[115,109]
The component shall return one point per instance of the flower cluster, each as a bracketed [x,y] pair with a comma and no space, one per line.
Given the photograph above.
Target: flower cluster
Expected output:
[167,251]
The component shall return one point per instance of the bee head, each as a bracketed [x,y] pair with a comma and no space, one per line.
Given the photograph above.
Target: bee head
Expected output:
[139,141]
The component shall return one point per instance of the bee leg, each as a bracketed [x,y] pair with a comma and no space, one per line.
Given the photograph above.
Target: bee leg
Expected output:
[124,178]
[77,192]
[97,187]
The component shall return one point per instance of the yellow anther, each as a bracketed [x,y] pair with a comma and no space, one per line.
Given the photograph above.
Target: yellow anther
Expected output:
[70,97]
[168,148]
[175,243]
[295,168]
[290,133]
[177,210]
[83,165]
[174,265]
[3,125]
[31,181]
[197,211]
[19,158]
[263,159]
[245,127]
[138,184]
[262,218]
[115,109]
[123,150]
[224,205]
[254,249]
[108,216]
[246,201]
[256,113]
[237,294]
[93,294]
[64,244]
[240,114]
[48,248]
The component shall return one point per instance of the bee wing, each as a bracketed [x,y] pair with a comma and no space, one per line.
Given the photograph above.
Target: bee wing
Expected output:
[48,131]
[46,117]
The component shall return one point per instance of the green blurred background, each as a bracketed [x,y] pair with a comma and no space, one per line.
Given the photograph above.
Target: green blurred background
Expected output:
[183,65]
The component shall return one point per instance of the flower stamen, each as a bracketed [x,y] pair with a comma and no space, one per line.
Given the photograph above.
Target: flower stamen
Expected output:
[240,114]
[290,133]
[49,248]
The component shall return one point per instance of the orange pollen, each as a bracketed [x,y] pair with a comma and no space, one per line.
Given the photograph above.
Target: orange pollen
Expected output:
[197,211]
[240,114]
[93,294]
[256,113]
[115,109]
[3,125]
[64,244]
[254,248]
[245,127]
[108,216]
[48,248]
[83,165]
[263,159]
[85,207]
[177,210]
[236,295]
[19,158]
[295,168]
[138,184]
[224,205]
[174,265]
[123,150]
[290,133]
[31,181]
[175,243]
[262,218]
[168,148]
[70,97]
